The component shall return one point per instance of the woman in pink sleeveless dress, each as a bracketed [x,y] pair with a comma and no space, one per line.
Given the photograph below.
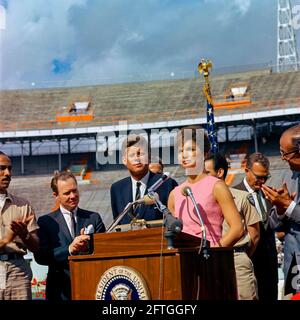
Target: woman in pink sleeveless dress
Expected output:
[212,196]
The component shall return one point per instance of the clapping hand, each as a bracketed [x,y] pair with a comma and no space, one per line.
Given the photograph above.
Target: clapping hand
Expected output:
[80,243]
[19,226]
[281,198]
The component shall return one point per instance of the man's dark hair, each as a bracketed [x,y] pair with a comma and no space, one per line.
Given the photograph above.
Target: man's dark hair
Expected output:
[259,158]
[63,176]
[134,140]
[219,161]
[195,133]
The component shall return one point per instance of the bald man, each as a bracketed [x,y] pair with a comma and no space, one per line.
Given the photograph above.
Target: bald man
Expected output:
[286,200]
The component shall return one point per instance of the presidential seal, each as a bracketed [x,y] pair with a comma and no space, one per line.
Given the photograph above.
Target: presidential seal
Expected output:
[122,283]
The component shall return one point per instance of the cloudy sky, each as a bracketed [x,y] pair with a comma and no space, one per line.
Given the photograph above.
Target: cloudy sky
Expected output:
[63,42]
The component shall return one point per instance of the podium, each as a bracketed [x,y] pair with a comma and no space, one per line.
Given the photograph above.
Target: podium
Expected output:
[138,265]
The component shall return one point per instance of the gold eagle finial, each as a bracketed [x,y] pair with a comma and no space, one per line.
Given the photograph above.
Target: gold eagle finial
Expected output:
[204,66]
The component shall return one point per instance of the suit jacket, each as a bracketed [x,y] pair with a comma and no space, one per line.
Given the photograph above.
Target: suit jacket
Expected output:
[121,195]
[290,225]
[265,258]
[55,239]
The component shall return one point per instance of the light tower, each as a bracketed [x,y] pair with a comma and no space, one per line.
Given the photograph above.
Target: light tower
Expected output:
[287,56]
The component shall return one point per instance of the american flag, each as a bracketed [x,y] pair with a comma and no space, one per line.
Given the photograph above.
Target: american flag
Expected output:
[204,67]
[211,127]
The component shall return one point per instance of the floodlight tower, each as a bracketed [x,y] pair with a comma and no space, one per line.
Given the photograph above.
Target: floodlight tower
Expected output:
[287,55]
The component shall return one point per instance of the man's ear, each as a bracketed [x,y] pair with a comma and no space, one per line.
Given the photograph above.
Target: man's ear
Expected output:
[124,160]
[54,194]
[220,173]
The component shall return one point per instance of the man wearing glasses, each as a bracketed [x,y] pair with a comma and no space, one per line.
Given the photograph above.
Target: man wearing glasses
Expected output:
[265,256]
[286,210]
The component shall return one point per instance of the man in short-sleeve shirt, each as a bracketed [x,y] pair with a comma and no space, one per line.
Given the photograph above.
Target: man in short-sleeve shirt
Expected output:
[18,232]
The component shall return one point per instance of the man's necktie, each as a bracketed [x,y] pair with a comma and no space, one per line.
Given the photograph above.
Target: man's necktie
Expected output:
[73,224]
[137,196]
[261,206]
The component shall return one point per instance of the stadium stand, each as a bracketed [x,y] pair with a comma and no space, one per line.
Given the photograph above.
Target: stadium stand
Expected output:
[166,100]
[141,102]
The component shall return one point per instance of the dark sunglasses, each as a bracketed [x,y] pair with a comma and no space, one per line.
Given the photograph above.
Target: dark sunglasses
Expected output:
[3,168]
[266,177]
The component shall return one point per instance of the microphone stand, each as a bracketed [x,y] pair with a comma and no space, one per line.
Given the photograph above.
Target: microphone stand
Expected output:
[159,182]
[120,217]
[127,208]
[169,234]
[205,249]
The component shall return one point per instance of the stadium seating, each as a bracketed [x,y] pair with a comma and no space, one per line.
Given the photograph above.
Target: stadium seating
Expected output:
[145,101]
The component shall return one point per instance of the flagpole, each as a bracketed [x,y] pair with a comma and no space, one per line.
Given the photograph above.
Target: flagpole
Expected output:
[204,67]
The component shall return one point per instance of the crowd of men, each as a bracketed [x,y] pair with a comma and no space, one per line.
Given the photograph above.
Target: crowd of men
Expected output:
[55,236]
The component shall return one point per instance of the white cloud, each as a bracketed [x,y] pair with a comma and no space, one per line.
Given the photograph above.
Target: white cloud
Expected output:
[243,5]
[111,39]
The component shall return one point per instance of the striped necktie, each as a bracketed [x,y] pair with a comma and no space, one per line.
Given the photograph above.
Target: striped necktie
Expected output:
[137,196]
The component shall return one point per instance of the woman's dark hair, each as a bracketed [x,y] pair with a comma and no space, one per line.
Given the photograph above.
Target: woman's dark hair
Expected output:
[196,134]
[220,162]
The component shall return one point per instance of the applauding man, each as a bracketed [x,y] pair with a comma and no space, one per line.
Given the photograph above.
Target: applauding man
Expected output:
[18,232]
[285,214]
[62,234]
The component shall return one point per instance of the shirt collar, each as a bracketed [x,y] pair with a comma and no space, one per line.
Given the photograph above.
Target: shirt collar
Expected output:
[3,196]
[249,189]
[65,211]
[9,196]
[144,180]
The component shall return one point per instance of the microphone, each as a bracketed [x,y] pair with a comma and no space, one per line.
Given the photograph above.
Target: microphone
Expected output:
[165,176]
[187,191]
[147,199]
[171,223]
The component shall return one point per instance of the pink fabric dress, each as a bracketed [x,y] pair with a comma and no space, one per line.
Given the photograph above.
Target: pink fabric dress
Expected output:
[210,210]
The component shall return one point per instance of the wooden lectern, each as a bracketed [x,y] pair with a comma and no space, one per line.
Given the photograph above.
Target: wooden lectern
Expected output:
[170,274]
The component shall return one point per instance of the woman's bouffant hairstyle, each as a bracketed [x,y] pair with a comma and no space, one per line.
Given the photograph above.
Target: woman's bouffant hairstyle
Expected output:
[196,134]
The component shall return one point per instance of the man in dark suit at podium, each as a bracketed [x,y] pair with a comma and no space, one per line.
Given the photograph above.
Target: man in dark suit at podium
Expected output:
[265,256]
[62,233]
[135,157]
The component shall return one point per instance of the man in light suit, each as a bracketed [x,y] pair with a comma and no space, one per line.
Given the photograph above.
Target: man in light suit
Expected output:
[264,257]
[62,233]
[136,159]
[286,200]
